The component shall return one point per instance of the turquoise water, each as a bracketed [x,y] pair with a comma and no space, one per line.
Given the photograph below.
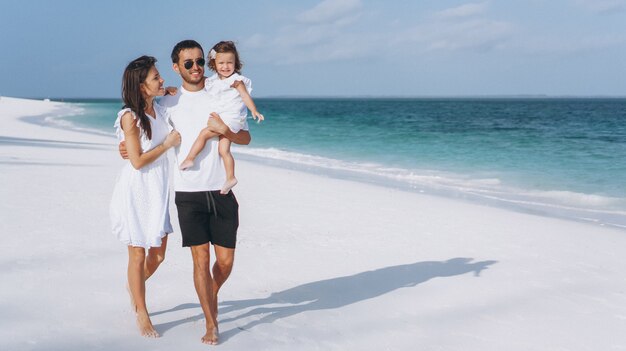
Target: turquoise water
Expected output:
[563,157]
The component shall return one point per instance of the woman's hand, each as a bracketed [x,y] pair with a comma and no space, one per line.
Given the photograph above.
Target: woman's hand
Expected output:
[172,139]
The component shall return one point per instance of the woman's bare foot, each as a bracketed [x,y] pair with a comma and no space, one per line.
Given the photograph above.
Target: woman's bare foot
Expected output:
[186,164]
[145,325]
[211,337]
[229,184]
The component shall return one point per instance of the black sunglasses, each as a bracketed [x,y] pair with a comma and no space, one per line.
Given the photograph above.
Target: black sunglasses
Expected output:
[188,64]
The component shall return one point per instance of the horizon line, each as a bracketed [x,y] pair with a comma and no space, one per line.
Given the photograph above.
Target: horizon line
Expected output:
[371,96]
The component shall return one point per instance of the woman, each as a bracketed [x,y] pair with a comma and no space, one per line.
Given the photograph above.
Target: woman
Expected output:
[140,204]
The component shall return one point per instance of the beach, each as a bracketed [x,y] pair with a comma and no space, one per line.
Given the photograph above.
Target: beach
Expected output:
[322,263]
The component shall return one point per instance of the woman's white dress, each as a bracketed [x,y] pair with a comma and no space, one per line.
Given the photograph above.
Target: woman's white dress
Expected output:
[140,204]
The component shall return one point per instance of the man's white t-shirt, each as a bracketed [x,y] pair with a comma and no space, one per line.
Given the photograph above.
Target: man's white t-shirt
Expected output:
[188,113]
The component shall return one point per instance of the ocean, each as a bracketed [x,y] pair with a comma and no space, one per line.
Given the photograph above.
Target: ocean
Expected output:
[562,157]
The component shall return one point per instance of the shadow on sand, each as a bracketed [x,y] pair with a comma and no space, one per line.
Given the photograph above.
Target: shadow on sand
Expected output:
[331,293]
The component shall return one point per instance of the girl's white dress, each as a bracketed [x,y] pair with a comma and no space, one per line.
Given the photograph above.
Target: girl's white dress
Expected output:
[140,204]
[231,107]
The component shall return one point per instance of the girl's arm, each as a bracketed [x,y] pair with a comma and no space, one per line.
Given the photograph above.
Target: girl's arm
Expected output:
[133,143]
[247,99]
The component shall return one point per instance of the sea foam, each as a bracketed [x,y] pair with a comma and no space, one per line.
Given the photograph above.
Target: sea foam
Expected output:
[492,191]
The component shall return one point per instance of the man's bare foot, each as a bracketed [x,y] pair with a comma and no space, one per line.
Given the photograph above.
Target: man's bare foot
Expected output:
[229,184]
[133,306]
[211,337]
[186,164]
[145,326]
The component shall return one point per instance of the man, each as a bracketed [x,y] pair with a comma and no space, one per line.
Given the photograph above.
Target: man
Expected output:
[205,216]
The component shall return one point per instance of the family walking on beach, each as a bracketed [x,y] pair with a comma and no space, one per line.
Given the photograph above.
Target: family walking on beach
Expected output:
[200,119]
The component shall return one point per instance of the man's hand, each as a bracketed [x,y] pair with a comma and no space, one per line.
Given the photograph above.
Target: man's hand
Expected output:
[171,91]
[122,150]
[216,125]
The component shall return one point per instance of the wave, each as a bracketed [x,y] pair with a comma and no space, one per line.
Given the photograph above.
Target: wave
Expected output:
[569,204]
[60,120]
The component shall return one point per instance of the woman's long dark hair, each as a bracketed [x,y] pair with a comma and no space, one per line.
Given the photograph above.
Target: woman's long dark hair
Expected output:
[134,75]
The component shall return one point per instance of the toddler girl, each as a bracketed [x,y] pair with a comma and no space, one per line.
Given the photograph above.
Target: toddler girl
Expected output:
[234,101]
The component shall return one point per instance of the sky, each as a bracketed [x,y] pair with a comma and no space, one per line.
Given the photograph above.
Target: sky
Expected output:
[330,48]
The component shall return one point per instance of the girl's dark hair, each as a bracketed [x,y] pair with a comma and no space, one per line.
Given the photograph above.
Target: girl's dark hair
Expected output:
[222,47]
[134,75]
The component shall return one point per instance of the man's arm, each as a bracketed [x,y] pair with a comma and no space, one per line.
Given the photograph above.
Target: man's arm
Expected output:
[216,125]
[242,137]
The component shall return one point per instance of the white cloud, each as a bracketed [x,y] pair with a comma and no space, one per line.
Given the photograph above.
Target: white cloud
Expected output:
[303,35]
[603,6]
[329,10]
[466,10]
[459,28]
[294,44]
[322,33]
[333,31]
[479,35]
[256,40]
[568,46]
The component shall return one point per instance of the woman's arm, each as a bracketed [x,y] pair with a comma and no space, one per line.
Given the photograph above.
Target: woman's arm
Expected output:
[133,143]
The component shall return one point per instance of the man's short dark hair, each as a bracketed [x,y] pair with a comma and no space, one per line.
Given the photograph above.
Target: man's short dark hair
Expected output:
[185,44]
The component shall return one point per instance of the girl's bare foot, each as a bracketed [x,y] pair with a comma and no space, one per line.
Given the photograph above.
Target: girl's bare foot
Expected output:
[145,326]
[229,184]
[186,164]
[211,337]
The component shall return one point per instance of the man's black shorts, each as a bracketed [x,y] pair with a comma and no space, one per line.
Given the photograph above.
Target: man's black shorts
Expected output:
[208,216]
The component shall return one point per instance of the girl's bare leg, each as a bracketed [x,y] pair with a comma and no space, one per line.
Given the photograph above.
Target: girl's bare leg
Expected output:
[229,165]
[196,148]
[137,287]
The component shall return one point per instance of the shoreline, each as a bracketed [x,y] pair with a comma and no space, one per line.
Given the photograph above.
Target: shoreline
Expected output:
[544,203]
[319,261]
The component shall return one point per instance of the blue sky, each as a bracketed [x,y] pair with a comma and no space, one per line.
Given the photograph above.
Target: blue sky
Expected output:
[77,48]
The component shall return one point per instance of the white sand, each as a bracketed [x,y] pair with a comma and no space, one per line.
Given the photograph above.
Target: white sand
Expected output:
[322,264]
